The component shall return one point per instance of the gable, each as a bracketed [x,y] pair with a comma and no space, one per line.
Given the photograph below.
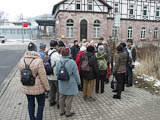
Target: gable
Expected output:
[98,6]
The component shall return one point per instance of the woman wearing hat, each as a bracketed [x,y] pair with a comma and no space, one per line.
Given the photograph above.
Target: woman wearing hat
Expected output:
[67,89]
[37,91]
[119,70]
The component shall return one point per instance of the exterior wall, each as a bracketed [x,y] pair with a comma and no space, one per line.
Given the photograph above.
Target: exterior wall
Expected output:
[124,7]
[137,26]
[77,17]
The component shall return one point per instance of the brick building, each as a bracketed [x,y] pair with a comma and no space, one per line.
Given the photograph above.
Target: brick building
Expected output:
[91,19]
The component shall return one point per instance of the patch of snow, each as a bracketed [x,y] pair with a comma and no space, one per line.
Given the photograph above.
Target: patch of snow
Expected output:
[157,83]
[137,63]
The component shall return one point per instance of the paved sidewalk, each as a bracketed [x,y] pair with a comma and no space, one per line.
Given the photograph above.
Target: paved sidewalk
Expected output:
[136,104]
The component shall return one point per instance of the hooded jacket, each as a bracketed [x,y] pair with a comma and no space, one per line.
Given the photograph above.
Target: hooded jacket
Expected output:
[38,71]
[78,59]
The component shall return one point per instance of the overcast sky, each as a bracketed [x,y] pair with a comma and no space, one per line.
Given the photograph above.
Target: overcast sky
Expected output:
[29,8]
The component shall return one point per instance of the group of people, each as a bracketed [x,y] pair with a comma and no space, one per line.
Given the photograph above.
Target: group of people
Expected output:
[87,66]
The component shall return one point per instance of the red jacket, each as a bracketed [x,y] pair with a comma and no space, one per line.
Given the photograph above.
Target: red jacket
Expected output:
[78,59]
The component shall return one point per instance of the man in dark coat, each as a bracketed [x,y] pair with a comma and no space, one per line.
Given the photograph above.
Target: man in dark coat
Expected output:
[132,54]
[75,49]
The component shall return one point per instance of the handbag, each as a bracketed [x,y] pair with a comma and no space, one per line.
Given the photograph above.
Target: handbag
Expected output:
[114,83]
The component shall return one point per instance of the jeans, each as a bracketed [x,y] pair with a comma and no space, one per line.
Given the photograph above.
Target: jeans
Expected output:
[31,106]
[120,83]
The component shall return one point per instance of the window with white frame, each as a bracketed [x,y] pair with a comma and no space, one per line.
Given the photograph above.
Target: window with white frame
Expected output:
[158,12]
[131,10]
[78,4]
[69,28]
[145,10]
[155,36]
[130,32]
[96,29]
[90,4]
[114,33]
[143,33]
[116,8]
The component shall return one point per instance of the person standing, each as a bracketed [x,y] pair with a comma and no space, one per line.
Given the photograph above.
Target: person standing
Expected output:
[78,62]
[55,56]
[37,91]
[89,75]
[132,55]
[69,88]
[75,49]
[103,63]
[42,51]
[119,70]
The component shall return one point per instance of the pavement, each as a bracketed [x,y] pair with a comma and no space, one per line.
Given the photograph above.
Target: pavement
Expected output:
[136,104]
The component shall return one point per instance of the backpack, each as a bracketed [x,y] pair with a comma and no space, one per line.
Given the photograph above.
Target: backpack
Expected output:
[27,77]
[47,65]
[102,63]
[84,64]
[63,74]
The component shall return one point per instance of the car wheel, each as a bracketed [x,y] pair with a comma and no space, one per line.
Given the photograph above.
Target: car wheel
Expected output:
[3,41]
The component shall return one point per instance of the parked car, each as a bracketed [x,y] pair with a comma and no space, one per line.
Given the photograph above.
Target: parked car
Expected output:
[3,39]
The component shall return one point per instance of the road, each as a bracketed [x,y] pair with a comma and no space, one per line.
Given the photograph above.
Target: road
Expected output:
[8,60]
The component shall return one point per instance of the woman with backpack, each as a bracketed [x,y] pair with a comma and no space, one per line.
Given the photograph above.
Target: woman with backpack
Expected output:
[36,84]
[103,63]
[89,72]
[67,68]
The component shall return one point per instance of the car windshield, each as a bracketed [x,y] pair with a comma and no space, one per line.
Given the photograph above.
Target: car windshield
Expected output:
[2,37]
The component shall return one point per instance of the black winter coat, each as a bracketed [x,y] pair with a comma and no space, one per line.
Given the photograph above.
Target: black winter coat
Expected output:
[74,51]
[92,74]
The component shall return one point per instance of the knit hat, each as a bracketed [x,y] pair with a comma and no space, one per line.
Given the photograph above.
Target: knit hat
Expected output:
[53,43]
[32,47]
[123,44]
[83,48]
[101,38]
[130,40]
[119,48]
[101,49]
[90,48]
[42,45]
[65,51]
[75,41]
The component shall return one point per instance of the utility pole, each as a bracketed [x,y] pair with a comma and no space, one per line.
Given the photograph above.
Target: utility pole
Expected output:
[21,17]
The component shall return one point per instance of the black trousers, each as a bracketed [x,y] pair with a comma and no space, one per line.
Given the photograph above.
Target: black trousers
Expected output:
[129,76]
[120,83]
[100,83]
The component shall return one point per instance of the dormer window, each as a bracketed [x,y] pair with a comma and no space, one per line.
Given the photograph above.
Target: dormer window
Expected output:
[78,4]
[116,8]
[90,4]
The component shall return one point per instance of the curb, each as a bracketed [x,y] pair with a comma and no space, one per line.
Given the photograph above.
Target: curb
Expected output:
[7,80]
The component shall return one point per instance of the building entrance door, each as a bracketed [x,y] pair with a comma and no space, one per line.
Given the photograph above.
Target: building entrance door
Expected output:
[83,30]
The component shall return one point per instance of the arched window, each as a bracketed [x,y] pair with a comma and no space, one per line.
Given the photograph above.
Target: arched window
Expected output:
[143,33]
[130,32]
[155,34]
[70,28]
[96,29]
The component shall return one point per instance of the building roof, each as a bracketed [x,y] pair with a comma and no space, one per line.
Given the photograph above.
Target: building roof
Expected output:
[45,22]
[56,5]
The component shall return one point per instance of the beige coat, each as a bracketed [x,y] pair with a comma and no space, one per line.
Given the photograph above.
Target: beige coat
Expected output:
[37,67]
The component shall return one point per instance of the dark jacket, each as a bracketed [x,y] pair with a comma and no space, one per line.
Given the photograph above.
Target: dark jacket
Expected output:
[120,62]
[92,74]
[74,51]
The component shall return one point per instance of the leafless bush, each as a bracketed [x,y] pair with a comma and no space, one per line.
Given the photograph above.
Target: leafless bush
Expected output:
[149,57]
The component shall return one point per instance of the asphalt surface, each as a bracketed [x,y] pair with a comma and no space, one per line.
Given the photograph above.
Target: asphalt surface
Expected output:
[8,60]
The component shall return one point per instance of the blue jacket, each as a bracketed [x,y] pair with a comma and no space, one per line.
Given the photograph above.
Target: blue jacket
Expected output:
[42,54]
[69,87]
